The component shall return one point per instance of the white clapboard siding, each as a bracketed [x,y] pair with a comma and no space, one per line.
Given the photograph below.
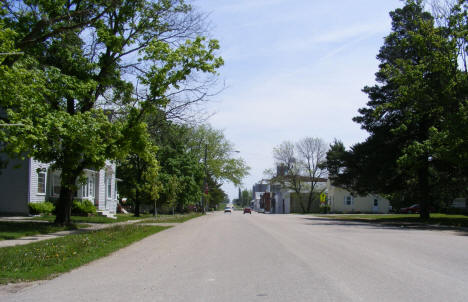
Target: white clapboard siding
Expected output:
[34,196]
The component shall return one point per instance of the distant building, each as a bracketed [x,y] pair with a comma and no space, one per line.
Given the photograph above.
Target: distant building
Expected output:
[342,201]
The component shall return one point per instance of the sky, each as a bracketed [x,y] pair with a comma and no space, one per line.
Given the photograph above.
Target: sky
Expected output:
[293,69]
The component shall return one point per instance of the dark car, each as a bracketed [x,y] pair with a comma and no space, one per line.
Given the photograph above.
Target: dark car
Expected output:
[414,209]
[248,210]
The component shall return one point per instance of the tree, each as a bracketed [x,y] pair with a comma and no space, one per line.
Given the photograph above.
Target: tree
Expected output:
[215,195]
[139,174]
[312,153]
[178,164]
[74,89]
[420,93]
[221,164]
[289,169]
[246,197]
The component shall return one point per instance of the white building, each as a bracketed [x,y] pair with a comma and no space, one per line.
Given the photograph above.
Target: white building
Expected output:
[342,201]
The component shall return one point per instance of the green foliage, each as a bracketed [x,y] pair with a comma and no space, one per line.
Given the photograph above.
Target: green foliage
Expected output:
[83,208]
[71,90]
[181,174]
[221,164]
[139,174]
[415,116]
[41,208]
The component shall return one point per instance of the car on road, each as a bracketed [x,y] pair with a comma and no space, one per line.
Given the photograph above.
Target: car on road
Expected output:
[413,209]
[227,210]
[248,210]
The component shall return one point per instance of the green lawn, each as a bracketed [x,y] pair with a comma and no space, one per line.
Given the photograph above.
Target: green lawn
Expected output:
[17,229]
[177,218]
[436,218]
[46,259]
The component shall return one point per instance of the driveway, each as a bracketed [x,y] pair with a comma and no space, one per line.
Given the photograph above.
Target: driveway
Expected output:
[236,257]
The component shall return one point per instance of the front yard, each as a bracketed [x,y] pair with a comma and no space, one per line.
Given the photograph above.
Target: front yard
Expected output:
[435,219]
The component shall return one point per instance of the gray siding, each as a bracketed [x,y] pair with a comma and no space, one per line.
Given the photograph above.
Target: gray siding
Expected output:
[18,186]
[14,183]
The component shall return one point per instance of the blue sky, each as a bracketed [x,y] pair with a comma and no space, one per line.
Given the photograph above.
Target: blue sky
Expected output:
[293,69]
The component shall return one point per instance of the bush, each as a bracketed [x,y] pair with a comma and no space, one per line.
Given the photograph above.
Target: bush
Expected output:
[83,208]
[41,208]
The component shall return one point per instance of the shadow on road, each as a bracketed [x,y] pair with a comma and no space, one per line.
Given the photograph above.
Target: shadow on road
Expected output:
[394,225]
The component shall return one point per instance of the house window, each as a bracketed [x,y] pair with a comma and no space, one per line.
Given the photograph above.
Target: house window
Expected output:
[87,189]
[84,190]
[56,184]
[115,190]
[91,185]
[348,200]
[109,188]
[41,182]
[376,202]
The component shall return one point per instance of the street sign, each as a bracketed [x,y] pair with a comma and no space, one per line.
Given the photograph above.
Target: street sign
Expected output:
[323,197]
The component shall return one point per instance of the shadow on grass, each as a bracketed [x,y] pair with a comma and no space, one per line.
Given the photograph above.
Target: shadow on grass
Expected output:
[404,224]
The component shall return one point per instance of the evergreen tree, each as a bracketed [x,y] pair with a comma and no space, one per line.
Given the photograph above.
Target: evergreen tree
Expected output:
[420,92]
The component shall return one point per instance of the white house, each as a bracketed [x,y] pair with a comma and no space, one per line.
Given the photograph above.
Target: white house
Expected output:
[30,181]
[342,201]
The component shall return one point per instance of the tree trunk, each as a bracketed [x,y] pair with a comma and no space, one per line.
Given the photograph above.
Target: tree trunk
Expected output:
[64,204]
[137,209]
[155,209]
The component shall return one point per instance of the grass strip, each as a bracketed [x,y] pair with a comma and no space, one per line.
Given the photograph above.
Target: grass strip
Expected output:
[435,219]
[47,259]
[18,229]
[177,218]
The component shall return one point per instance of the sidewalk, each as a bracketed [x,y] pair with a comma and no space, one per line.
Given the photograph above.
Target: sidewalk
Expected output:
[41,237]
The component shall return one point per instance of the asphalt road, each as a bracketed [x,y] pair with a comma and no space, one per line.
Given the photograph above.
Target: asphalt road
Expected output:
[236,257]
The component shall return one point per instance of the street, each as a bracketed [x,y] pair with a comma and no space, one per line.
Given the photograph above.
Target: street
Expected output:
[259,257]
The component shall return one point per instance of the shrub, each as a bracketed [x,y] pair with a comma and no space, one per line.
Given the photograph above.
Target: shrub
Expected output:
[41,208]
[83,208]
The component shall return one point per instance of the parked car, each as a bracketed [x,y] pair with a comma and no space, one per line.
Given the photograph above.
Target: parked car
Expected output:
[227,210]
[413,209]
[248,210]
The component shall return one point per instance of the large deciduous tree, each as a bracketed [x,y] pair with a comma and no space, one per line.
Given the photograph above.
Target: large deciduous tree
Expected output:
[221,163]
[76,79]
